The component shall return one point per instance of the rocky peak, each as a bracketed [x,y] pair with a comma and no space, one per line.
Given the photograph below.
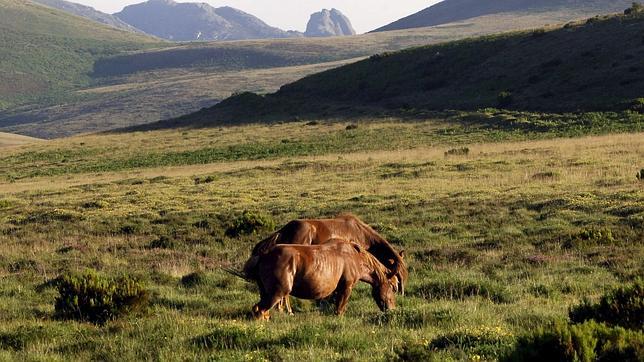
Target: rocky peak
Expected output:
[329,23]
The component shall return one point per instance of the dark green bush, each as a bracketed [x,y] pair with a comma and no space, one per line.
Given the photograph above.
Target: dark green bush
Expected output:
[163,242]
[250,223]
[504,99]
[589,237]
[204,180]
[94,298]
[623,307]
[637,105]
[415,352]
[193,279]
[463,151]
[636,8]
[583,342]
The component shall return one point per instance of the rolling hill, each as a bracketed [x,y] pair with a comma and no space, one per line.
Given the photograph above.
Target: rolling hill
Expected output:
[148,85]
[586,66]
[89,13]
[449,11]
[9,140]
[47,51]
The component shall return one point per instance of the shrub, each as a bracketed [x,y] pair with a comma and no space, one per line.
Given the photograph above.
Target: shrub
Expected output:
[21,338]
[5,204]
[95,204]
[162,242]
[589,237]
[98,299]
[548,175]
[415,352]
[636,8]
[204,180]
[351,127]
[464,151]
[250,223]
[637,105]
[504,99]
[193,279]
[623,307]
[584,342]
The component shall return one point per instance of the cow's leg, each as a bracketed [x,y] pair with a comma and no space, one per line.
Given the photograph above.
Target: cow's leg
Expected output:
[342,294]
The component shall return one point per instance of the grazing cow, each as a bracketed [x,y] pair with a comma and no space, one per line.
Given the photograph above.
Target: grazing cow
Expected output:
[317,272]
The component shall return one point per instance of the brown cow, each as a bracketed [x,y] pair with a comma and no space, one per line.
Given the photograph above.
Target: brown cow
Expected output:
[345,227]
[316,272]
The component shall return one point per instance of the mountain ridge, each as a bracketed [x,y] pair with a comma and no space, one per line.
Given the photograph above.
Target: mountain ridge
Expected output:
[449,11]
[89,13]
[565,69]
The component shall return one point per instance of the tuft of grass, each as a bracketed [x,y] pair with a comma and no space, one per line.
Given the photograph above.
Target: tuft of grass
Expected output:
[458,289]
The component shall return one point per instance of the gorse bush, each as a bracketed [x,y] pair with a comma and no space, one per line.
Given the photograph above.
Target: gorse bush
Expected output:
[636,8]
[250,223]
[94,298]
[586,342]
[623,307]
[504,99]
[589,237]
[463,151]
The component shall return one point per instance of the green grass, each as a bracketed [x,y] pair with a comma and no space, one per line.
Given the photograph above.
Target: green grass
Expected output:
[488,243]
[455,128]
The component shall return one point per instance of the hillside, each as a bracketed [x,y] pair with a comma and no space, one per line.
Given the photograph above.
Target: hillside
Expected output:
[449,11]
[46,51]
[196,21]
[591,65]
[9,140]
[89,13]
[146,86]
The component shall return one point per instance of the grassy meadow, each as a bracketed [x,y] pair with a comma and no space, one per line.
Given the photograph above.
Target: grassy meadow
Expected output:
[501,238]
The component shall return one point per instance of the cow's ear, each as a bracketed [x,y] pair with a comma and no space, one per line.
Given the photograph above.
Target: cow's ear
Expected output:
[402,254]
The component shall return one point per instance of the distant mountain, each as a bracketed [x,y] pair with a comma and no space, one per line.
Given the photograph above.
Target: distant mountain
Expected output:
[89,13]
[582,66]
[329,23]
[197,21]
[448,11]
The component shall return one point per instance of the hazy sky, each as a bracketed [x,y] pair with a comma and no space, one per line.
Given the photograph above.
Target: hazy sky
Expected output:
[365,15]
